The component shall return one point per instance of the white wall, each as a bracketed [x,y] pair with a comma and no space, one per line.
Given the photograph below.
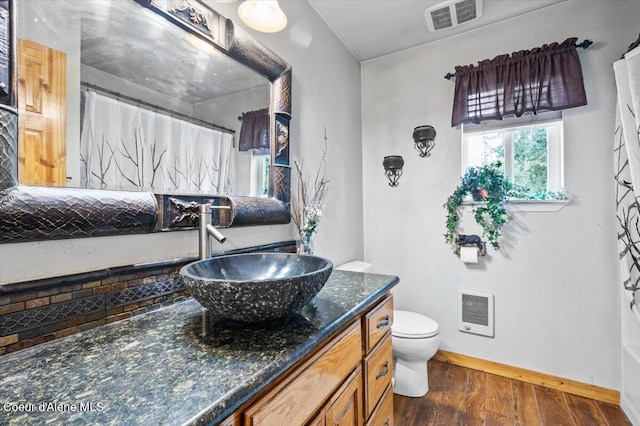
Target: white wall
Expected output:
[555,283]
[326,93]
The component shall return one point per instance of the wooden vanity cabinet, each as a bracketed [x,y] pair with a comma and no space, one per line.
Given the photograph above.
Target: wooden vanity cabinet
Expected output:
[347,382]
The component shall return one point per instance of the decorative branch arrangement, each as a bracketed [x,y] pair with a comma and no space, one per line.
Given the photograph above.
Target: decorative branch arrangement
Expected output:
[488,185]
[308,202]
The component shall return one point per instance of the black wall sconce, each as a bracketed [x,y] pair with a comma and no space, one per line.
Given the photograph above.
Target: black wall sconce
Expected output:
[393,168]
[424,140]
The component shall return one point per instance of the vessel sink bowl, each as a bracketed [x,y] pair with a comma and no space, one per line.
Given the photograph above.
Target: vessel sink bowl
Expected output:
[256,287]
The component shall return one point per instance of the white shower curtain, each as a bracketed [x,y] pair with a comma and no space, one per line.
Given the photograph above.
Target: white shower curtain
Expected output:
[627,159]
[126,147]
[627,167]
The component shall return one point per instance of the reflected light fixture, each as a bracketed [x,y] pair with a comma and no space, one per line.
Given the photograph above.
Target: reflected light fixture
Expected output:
[393,168]
[201,45]
[424,136]
[263,15]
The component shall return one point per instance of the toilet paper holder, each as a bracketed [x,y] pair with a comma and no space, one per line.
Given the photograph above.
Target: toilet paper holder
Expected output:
[462,240]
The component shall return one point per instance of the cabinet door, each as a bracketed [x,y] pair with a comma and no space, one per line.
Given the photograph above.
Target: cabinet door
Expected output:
[233,420]
[318,421]
[345,408]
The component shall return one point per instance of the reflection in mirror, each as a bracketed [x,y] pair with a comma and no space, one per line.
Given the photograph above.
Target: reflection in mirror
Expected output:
[112,96]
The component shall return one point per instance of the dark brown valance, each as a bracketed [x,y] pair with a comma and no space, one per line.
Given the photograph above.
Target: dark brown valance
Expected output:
[254,132]
[547,78]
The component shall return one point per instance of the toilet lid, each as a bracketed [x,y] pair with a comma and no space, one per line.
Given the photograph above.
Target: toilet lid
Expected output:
[413,325]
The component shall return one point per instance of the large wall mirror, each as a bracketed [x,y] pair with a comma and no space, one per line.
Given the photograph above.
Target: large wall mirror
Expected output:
[132,112]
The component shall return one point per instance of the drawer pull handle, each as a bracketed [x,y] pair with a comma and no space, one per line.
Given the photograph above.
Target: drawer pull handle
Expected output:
[384,372]
[386,422]
[383,323]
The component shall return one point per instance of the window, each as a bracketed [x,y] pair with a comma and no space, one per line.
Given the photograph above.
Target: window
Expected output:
[260,164]
[530,153]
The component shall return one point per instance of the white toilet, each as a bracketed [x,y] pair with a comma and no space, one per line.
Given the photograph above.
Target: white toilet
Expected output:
[415,339]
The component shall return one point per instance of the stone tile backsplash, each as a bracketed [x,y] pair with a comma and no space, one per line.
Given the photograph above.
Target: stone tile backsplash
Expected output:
[28,319]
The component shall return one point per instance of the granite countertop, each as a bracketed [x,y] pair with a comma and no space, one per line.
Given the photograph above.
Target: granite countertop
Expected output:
[172,366]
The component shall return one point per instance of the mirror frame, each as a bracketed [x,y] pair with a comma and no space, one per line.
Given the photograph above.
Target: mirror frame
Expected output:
[34,213]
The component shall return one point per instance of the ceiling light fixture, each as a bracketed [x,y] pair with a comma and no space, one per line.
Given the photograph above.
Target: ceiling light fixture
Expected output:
[201,45]
[263,15]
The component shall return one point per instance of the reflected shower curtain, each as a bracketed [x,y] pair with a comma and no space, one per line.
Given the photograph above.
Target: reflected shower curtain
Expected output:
[126,147]
[627,167]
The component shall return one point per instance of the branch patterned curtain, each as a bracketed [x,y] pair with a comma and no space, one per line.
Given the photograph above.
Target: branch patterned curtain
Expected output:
[547,78]
[627,167]
[126,147]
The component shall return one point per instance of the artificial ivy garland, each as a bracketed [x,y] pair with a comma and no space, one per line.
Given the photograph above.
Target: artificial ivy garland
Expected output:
[490,186]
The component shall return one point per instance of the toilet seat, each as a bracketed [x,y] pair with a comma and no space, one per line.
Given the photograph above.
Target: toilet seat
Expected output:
[412,325]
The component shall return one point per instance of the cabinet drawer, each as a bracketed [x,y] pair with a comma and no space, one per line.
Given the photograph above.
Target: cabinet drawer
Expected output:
[383,416]
[377,323]
[378,367]
[294,401]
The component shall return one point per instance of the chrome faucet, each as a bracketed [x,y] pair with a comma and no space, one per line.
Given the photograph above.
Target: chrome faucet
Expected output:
[206,229]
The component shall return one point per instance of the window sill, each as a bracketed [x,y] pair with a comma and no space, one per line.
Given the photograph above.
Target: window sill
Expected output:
[529,205]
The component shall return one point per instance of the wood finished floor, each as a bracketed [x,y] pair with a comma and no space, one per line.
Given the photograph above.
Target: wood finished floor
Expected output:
[461,396]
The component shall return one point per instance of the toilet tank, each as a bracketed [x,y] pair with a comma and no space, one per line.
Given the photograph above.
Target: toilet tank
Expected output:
[356,266]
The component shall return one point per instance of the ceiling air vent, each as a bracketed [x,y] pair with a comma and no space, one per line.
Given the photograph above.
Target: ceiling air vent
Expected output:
[452,13]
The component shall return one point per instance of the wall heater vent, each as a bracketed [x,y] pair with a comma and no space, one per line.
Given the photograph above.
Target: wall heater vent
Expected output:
[475,312]
[452,13]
